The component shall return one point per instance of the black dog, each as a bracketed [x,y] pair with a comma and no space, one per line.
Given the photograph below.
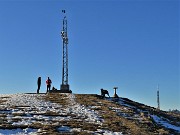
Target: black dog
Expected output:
[104,92]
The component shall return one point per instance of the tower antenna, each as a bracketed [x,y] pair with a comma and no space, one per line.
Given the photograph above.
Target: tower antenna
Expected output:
[64,88]
[158,101]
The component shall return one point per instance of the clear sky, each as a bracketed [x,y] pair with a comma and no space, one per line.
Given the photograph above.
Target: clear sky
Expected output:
[131,44]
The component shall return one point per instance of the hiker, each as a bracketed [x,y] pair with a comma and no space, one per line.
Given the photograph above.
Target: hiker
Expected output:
[104,92]
[39,84]
[48,83]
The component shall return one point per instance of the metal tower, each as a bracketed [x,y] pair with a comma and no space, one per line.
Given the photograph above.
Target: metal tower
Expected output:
[65,86]
[158,102]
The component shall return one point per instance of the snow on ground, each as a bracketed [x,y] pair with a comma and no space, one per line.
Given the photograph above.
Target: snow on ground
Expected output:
[27,109]
[30,107]
[18,131]
[121,102]
[30,100]
[33,104]
[66,129]
[164,123]
[125,110]
[80,110]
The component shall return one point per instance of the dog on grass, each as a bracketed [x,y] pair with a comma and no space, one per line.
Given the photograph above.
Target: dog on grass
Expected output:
[104,92]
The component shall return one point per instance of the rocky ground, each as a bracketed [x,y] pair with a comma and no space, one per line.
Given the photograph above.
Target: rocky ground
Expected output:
[56,113]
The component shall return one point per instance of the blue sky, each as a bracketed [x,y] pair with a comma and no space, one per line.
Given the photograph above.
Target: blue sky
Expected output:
[133,45]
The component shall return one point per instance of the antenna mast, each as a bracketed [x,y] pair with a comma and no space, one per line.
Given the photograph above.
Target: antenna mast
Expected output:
[65,86]
[158,102]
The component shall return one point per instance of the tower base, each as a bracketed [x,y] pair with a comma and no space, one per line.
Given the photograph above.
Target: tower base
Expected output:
[65,88]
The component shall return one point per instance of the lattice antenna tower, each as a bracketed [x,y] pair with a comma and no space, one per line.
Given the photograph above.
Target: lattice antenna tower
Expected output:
[64,35]
[158,101]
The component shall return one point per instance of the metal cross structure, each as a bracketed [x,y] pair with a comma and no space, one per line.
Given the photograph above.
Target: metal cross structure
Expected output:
[65,86]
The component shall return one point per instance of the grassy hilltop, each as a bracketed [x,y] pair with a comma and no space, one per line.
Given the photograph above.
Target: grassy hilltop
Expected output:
[56,113]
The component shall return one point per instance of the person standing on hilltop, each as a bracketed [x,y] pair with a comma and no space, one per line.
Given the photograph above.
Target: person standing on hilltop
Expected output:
[48,83]
[39,84]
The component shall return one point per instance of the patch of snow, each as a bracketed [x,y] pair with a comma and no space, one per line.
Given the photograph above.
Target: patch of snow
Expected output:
[18,131]
[107,132]
[82,111]
[30,108]
[121,102]
[59,118]
[164,123]
[28,100]
[76,129]
[95,107]
[66,129]
[63,129]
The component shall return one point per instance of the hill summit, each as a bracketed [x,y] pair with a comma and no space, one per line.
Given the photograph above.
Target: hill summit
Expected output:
[56,113]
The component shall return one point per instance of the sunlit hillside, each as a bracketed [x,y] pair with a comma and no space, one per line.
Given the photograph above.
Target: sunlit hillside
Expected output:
[56,113]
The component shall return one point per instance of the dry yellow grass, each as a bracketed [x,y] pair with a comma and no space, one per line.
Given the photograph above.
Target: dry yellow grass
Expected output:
[112,121]
[57,98]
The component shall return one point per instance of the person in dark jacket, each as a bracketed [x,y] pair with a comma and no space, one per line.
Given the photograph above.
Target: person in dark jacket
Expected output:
[48,83]
[39,84]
